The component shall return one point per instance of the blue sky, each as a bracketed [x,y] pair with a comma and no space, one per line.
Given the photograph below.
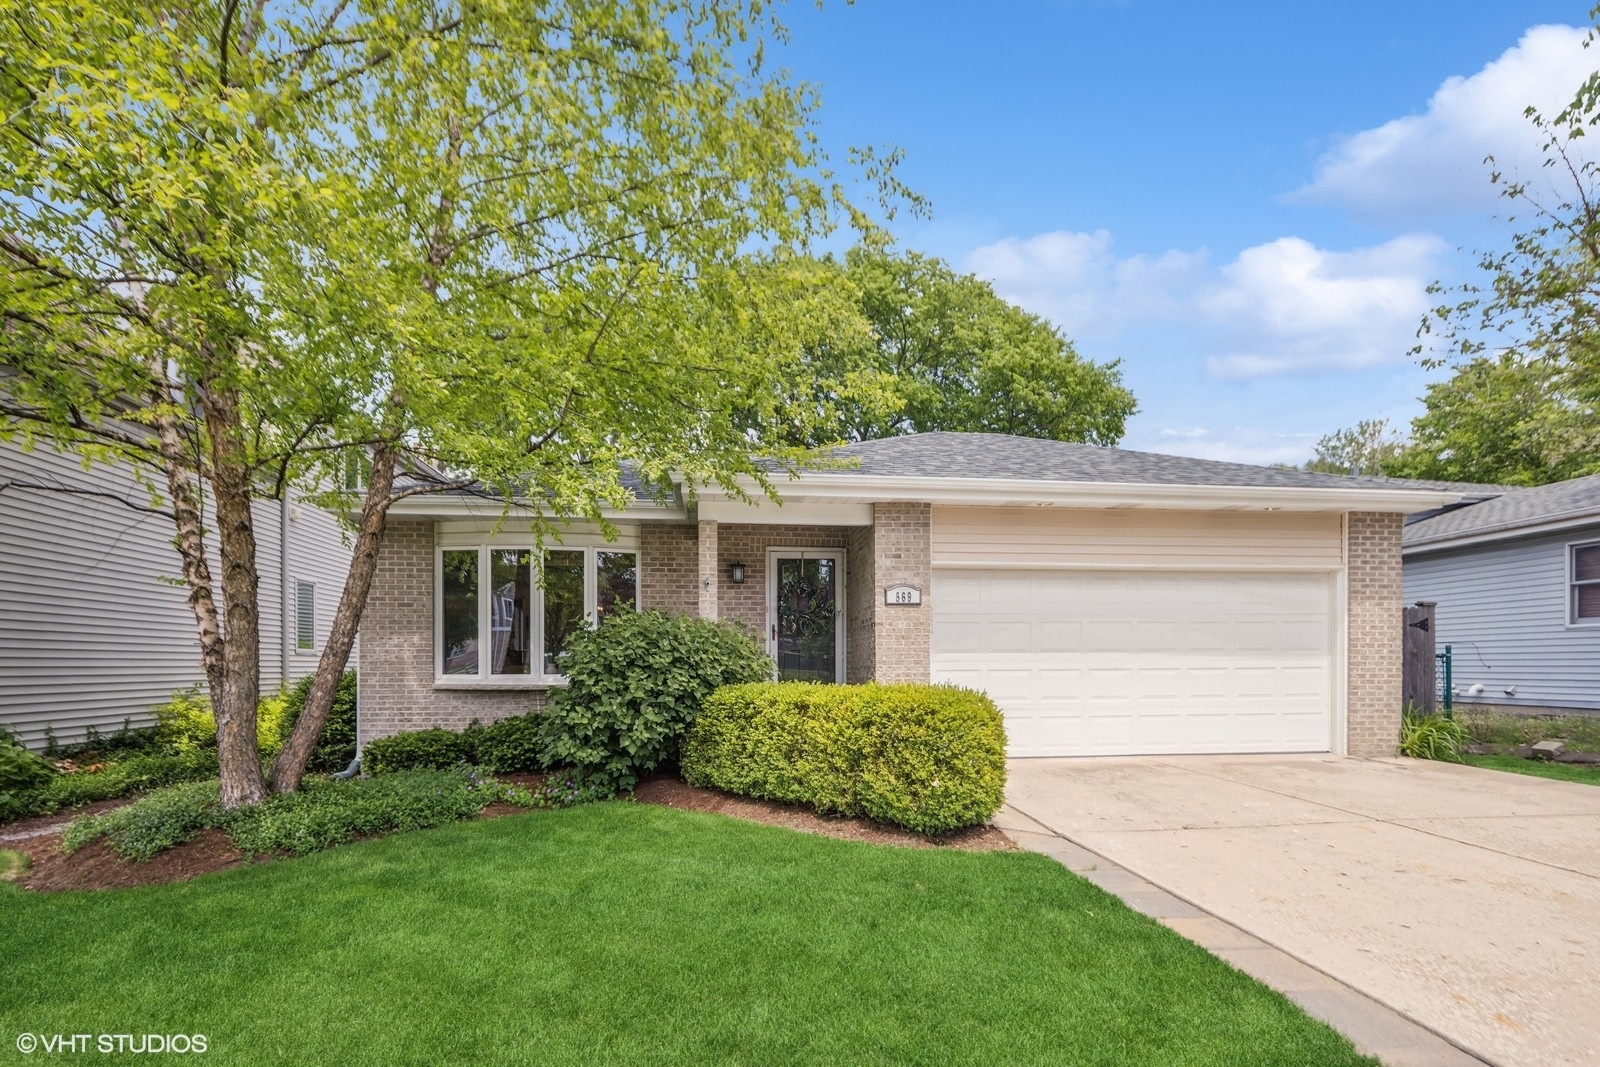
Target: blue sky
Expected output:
[1242,202]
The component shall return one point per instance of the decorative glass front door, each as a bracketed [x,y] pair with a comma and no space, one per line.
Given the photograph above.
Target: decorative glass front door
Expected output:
[805,626]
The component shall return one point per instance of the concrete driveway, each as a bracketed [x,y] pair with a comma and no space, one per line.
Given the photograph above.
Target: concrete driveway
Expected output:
[1466,899]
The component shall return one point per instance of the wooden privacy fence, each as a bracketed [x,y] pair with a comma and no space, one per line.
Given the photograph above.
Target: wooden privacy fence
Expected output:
[1419,685]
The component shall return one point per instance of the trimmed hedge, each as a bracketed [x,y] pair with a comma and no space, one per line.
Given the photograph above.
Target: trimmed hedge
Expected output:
[928,758]
[504,747]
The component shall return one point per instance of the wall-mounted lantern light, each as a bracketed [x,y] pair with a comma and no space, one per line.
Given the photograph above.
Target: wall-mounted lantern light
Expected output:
[736,573]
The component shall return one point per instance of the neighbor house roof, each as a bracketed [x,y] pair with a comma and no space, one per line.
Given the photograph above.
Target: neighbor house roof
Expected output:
[1513,513]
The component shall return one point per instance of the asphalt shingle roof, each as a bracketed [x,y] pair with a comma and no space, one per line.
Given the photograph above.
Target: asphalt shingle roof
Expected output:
[1513,509]
[983,455]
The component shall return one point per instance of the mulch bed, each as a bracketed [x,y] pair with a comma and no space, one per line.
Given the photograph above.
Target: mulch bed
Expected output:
[96,866]
[673,792]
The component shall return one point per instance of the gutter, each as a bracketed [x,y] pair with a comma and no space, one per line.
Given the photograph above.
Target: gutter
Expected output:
[865,488]
[283,588]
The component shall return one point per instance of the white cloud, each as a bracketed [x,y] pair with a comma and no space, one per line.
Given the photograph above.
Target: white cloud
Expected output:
[1076,281]
[1283,307]
[1237,444]
[1288,306]
[1423,166]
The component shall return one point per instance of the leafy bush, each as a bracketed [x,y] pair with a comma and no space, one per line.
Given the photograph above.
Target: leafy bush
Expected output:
[185,723]
[511,745]
[928,758]
[420,750]
[1430,736]
[21,773]
[557,792]
[634,685]
[323,813]
[338,744]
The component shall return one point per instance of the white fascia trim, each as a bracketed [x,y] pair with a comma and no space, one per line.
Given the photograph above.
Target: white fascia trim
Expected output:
[424,506]
[1501,533]
[867,488]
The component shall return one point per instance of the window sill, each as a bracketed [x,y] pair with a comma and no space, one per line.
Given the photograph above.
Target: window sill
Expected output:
[514,685]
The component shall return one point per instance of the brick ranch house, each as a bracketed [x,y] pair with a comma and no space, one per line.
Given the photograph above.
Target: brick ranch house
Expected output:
[1111,602]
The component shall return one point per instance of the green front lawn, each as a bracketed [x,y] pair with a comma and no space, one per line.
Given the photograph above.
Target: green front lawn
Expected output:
[1567,772]
[625,933]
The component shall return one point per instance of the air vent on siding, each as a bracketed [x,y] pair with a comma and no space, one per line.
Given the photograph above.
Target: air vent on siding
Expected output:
[305,616]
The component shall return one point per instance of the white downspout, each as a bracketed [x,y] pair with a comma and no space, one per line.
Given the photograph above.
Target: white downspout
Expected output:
[283,583]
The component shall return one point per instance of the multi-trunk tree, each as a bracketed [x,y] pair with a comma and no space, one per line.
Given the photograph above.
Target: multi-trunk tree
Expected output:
[249,246]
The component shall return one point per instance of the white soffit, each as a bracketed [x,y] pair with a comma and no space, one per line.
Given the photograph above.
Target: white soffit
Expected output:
[796,512]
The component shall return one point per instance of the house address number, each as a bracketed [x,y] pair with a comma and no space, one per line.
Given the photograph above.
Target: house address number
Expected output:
[903,595]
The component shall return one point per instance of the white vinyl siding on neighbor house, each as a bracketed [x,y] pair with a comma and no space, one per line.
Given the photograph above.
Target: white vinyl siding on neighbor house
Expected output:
[1125,632]
[93,631]
[1504,608]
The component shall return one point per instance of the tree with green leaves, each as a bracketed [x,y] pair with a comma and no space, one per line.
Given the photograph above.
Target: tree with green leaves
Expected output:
[248,245]
[1368,448]
[932,349]
[1523,404]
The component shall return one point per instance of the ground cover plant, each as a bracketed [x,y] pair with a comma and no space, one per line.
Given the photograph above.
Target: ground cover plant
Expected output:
[624,933]
[325,812]
[1488,727]
[925,757]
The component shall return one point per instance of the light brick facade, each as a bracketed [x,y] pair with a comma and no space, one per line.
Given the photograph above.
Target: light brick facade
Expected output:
[1372,567]
[395,684]
[902,555]
[684,569]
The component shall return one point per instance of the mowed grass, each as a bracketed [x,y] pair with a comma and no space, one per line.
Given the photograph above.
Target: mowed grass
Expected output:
[1565,772]
[619,933]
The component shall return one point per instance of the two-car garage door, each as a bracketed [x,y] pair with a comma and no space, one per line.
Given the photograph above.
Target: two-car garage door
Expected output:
[1124,662]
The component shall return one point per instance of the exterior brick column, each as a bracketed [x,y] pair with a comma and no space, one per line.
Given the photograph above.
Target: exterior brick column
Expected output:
[1373,680]
[902,555]
[707,585]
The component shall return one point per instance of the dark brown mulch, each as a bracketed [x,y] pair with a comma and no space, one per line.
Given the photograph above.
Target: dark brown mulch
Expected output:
[96,866]
[672,792]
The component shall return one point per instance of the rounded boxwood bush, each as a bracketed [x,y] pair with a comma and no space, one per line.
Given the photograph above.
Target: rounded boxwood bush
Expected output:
[928,758]
[633,684]
[419,750]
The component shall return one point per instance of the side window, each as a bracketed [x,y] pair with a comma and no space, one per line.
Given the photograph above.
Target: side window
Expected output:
[1584,594]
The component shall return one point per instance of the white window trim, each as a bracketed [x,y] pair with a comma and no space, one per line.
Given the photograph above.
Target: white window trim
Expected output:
[1570,599]
[589,545]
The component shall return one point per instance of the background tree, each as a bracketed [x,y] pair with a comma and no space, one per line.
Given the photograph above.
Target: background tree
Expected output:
[1369,448]
[932,349]
[252,246]
[1523,404]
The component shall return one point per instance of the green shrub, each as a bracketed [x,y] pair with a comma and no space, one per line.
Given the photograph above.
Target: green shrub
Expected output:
[928,758]
[634,684]
[21,773]
[1431,736]
[511,745]
[185,723]
[338,744]
[420,750]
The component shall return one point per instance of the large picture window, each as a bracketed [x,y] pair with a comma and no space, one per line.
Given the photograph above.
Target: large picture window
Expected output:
[1583,595]
[529,605]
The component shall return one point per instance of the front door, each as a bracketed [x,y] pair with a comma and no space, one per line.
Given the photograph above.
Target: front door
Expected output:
[805,610]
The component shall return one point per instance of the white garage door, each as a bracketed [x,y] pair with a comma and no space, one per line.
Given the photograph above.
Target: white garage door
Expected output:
[1087,663]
